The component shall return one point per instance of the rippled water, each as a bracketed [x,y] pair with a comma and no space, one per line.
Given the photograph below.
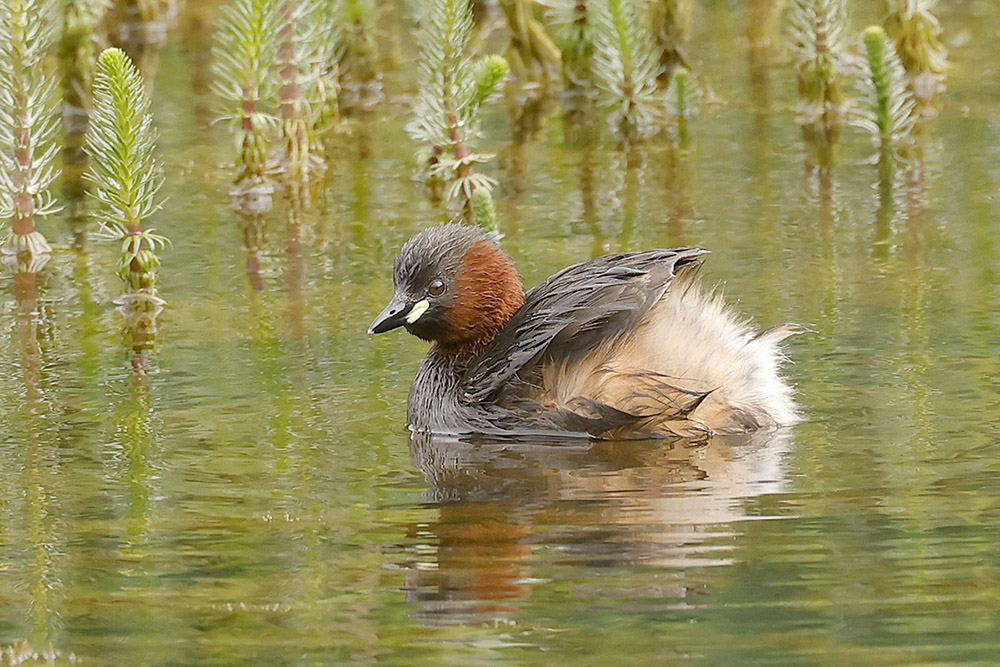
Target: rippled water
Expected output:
[258,499]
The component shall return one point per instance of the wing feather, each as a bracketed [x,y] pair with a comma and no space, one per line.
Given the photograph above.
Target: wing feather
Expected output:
[570,315]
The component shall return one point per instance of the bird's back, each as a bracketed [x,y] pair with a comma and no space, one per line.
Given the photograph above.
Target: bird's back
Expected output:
[620,347]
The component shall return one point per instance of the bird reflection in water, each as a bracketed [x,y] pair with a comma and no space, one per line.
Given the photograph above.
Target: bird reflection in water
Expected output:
[511,515]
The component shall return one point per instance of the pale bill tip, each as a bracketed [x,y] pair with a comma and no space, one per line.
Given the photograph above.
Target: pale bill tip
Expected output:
[419,308]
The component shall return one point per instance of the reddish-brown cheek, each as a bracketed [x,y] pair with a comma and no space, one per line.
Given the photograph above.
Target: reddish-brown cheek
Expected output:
[488,292]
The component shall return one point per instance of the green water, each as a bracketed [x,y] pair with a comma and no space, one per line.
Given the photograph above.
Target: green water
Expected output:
[258,499]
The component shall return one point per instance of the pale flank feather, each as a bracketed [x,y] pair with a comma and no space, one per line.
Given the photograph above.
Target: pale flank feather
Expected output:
[689,366]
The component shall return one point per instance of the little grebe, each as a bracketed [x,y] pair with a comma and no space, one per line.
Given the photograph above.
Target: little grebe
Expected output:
[621,346]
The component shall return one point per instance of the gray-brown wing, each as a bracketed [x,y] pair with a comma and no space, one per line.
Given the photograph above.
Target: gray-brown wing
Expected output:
[569,315]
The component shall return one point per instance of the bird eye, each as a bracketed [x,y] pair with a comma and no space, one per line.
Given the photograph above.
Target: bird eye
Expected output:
[436,288]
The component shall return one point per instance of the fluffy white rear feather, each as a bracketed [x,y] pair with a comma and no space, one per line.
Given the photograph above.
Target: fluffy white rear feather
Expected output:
[687,344]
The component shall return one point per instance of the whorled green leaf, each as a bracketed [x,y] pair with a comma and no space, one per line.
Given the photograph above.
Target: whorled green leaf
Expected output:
[572,25]
[483,210]
[453,89]
[625,66]
[28,108]
[817,28]
[245,57]
[121,145]
[452,86]
[889,114]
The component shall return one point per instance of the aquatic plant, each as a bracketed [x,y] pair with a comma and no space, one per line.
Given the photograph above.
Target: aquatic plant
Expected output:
[818,41]
[78,50]
[299,60]
[531,53]
[79,44]
[625,65]
[245,52]
[572,26]
[682,102]
[671,23]
[484,213]
[124,168]
[453,89]
[140,27]
[354,22]
[917,35]
[762,21]
[147,11]
[327,74]
[28,123]
[889,112]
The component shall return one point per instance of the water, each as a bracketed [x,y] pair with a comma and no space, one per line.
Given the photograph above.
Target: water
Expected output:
[258,499]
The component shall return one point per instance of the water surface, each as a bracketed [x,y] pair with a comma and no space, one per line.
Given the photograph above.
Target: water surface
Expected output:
[258,498]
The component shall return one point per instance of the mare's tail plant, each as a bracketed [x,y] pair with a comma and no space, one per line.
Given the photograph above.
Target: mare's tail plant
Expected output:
[28,124]
[300,55]
[682,102]
[626,62]
[355,21]
[147,11]
[573,28]
[917,35]
[531,53]
[140,27]
[890,105]
[453,89]
[327,16]
[671,21]
[818,41]
[484,213]
[124,171]
[245,52]
[78,53]
[78,47]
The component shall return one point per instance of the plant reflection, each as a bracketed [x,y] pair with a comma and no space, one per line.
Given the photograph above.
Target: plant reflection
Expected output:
[36,561]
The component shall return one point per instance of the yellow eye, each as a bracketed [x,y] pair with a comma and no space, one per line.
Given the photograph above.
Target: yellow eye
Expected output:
[436,288]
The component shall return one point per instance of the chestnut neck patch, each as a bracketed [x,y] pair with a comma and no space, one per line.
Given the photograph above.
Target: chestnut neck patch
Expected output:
[487,293]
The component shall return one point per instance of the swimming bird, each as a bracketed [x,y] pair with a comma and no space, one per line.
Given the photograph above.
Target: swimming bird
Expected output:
[627,345]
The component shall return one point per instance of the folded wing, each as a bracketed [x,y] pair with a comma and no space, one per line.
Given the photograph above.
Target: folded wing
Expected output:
[566,318]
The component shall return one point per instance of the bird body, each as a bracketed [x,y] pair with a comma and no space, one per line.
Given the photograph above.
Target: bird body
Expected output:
[620,346]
